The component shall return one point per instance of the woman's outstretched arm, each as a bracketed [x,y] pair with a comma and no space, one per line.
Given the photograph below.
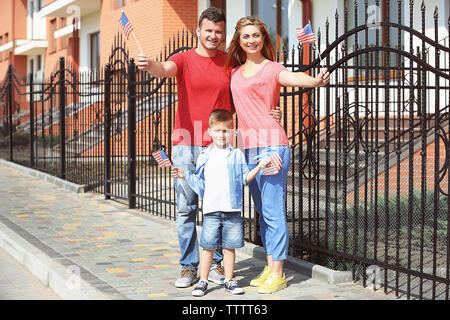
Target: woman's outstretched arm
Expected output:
[301,79]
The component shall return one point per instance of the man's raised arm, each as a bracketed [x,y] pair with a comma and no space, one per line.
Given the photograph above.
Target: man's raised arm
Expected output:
[156,68]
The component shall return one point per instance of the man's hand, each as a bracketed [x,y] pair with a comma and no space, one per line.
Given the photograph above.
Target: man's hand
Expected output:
[276,114]
[177,173]
[323,78]
[143,62]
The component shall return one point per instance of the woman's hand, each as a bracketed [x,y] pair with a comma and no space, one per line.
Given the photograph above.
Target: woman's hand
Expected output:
[323,78]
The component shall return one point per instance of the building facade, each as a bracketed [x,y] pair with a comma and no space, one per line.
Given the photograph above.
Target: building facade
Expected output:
[35,33]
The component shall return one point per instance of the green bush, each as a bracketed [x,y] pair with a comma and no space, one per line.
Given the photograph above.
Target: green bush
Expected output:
[48,140]
[21,139]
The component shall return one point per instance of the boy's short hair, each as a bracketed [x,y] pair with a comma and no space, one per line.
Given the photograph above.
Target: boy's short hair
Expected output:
[220,115]
[212,14]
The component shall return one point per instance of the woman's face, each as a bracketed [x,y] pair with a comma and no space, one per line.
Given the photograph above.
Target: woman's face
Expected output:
[251,39]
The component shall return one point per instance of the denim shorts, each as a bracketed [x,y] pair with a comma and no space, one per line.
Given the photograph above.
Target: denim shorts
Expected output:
[222,230]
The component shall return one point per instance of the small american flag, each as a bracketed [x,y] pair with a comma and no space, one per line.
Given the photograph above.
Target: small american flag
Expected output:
[305,35]
[274,167]
[125,24]
[161,158]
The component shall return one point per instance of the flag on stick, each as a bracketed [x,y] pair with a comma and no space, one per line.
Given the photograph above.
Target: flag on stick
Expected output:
[127,28]
[274,166]
[305,35]
[161,158]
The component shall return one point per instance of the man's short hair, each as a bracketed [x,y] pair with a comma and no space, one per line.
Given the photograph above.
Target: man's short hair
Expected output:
[220,115]
[212,14]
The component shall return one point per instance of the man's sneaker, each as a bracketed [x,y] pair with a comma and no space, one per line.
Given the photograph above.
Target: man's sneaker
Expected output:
[216,275]
[200,288]
[187,278]
[273,284]
[259,280]
[232,287]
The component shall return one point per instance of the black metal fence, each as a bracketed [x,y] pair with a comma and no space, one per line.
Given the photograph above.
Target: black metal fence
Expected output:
[368,186]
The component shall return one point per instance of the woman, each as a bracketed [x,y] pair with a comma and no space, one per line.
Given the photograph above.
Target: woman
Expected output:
[255,86]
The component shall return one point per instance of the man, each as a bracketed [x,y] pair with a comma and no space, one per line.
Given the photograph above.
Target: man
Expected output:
[203,85]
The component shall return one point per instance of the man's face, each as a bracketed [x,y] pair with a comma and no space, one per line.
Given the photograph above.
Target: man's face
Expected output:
[211,34]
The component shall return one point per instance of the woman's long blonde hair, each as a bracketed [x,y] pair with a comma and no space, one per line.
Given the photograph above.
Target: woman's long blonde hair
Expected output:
[235,55]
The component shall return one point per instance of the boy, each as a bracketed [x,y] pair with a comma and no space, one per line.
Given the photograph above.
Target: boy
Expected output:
[219,178]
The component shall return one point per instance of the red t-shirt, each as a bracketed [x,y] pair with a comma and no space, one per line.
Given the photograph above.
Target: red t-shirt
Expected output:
[203,85]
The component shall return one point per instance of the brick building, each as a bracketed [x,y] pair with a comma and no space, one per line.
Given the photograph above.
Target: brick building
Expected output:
[83,30]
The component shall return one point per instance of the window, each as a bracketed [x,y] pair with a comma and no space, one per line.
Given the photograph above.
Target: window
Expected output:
[376,14]
[52,40]
[6,40]
[119,3]
[39,63]
[274,13]
[95,51]
[64,39]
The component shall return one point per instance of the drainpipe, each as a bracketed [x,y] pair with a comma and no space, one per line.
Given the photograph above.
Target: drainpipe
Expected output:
[13,32]
[306,17]
[306,11]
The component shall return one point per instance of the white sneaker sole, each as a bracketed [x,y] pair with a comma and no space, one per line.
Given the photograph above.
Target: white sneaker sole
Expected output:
[198,293]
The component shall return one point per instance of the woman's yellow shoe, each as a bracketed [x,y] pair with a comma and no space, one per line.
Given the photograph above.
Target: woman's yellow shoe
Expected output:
[259,280]
[273,284]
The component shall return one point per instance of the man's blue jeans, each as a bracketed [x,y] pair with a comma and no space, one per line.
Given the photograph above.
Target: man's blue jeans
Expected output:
[185,157]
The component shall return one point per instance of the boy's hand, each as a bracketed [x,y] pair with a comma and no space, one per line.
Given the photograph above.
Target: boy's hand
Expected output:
[177,173]
[264,163]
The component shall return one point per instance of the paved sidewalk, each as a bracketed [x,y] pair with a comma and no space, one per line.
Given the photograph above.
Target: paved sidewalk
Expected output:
[85,247]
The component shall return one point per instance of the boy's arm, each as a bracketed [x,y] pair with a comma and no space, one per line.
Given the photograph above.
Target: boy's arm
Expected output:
[252,173]
[195,182]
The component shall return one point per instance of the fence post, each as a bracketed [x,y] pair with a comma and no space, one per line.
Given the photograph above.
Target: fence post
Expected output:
[107,133]
[62,118]
[10,111]
[131,134]
[32,164]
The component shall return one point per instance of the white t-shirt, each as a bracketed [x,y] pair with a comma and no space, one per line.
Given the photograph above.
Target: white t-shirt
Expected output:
[217,183]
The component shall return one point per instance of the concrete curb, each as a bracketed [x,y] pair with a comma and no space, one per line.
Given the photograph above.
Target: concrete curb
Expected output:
[61,279]
[309,269]
[47,177]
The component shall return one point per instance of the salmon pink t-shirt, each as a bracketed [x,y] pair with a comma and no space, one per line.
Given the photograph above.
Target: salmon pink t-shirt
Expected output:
[253,99]
[203,85]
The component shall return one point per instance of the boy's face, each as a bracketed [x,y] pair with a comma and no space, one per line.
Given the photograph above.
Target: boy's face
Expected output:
[221,133]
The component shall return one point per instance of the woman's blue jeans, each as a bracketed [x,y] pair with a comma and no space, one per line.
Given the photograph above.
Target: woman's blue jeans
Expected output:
[269,197]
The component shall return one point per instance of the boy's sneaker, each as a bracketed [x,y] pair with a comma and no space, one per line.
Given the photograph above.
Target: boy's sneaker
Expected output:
[187,278]
[259,280]
[216,275]
[200,288]
[232,287]
[273,284]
